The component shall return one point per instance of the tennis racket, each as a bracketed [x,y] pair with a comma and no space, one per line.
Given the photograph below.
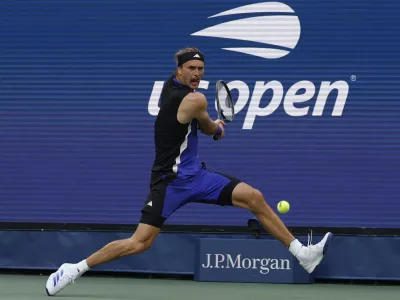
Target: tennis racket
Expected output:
[225,107]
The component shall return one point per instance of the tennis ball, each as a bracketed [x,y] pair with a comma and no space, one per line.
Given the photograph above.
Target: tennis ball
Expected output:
[283,207]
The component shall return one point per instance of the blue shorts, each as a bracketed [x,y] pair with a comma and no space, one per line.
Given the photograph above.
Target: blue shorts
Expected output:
[168,193]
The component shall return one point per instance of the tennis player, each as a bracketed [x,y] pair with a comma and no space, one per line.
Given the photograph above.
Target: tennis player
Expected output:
[179,177]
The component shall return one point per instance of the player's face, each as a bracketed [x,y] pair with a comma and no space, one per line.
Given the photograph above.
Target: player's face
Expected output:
[191,73]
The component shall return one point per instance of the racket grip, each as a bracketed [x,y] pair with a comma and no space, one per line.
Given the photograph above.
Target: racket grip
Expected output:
[216,135]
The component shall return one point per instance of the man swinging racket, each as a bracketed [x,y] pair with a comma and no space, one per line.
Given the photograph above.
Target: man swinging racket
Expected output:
[179,177]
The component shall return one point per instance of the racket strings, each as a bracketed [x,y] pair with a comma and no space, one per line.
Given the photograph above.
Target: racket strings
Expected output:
[225,102]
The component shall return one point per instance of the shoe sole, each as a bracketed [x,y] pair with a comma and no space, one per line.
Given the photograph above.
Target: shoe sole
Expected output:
[47,291]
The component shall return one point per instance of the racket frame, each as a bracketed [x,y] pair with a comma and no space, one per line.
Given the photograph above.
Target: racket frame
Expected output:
[221,116]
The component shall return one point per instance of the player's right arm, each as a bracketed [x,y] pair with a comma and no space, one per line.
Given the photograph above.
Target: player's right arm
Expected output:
[194,106]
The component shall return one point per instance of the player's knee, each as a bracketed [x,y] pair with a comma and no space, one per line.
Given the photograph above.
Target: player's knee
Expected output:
[136,246]
[144,245]
[256,200]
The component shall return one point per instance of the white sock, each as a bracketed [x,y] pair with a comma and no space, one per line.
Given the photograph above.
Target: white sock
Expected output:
[295,247]
[82,266]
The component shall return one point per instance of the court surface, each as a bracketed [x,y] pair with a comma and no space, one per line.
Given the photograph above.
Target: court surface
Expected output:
[31,287]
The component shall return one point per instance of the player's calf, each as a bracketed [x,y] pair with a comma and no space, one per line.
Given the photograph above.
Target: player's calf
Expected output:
[140,241]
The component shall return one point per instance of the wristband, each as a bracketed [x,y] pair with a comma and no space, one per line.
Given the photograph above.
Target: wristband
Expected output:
[219,131]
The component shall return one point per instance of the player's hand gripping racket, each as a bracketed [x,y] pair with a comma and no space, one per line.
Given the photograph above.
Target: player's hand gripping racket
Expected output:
[225,107]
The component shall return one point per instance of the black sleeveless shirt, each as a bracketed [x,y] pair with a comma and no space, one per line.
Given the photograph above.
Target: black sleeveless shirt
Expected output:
[175,143]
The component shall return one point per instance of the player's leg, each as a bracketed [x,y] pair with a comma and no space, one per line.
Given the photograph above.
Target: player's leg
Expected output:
[222,189]
[156,210]
[139,242]
[165,197]
[247,197]
[226,190]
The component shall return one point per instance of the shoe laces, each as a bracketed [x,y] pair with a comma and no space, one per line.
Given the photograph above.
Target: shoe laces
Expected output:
[310,246]
[309,242]
[71,279]
[68,277]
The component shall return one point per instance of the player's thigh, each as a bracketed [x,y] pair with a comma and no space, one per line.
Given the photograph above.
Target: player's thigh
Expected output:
[215,188]
[164,198]
[152,211]
[245,196]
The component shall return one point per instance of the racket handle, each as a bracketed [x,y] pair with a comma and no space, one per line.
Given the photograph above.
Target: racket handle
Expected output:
[216,135]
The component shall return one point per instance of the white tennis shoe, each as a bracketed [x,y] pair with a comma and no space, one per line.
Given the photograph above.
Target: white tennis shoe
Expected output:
[310,257]
[63,277]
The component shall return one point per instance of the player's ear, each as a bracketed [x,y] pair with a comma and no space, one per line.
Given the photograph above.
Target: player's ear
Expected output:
[179,70]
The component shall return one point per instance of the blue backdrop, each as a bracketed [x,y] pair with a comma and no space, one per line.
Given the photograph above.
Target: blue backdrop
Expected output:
[79,85]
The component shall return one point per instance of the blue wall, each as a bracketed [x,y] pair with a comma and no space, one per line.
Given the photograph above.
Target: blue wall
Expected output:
[79,85]
[354,257]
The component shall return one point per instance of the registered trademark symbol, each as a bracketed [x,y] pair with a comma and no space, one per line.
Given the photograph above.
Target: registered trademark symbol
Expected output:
[353,77]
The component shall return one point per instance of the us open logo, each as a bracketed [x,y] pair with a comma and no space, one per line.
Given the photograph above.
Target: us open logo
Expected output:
[278,30]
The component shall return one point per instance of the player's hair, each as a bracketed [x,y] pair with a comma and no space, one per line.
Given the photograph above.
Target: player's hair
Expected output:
[183,51]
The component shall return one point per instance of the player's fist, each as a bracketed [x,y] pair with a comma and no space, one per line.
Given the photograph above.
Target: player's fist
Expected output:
[221,129]
[218,121]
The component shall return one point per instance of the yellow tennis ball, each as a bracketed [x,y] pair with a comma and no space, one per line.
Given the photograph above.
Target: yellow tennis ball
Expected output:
[283,207]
